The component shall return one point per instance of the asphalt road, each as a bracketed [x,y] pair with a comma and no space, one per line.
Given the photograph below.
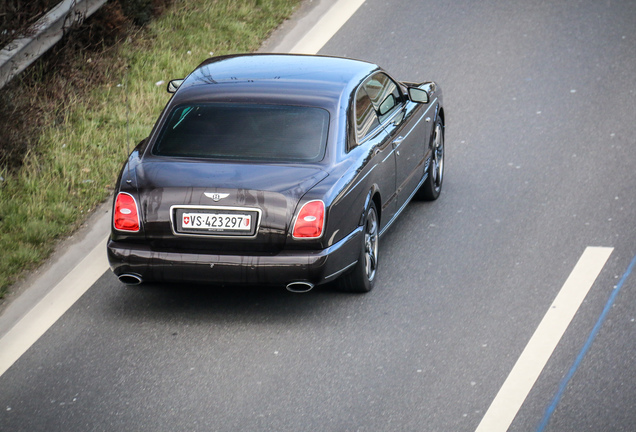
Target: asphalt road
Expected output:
[540,99]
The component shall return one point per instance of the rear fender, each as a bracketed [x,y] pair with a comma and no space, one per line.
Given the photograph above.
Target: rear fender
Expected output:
[367,202]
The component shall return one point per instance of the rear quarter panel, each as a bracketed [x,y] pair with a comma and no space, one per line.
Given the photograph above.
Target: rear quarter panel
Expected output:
[363,172]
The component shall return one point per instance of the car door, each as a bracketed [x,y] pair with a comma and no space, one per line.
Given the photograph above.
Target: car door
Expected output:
[371,137]
[400,119]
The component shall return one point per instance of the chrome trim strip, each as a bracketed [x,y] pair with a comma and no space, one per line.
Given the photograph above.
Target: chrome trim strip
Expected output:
[339,272]
[397,146]
[389,155]
[395,113]
[418,122]
[371,134]
[388,225]
[184,206]
[408,200]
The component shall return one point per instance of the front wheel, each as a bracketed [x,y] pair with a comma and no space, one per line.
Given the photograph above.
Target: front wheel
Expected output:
[432,186]
[362,277]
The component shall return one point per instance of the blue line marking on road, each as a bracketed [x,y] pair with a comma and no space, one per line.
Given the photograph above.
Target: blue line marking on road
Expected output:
[586,347]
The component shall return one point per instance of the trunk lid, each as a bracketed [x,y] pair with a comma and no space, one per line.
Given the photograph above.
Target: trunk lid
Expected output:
[169,188]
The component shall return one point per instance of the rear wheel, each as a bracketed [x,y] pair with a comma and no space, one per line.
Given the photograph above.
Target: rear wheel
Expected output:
[362,277]
[432,186]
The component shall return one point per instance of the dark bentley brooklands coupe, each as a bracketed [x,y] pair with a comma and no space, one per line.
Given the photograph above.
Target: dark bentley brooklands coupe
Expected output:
[276,170]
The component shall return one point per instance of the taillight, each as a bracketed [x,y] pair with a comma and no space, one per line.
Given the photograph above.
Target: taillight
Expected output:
[310,220]
[126,216]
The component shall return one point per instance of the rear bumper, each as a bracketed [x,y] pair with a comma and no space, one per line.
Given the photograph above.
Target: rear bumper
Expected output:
[315,267]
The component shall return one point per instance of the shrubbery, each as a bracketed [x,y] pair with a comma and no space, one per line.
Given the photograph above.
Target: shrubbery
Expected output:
[20,118]
[16,16]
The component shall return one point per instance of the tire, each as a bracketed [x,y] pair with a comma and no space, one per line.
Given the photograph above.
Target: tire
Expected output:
[362,278]
[432,186]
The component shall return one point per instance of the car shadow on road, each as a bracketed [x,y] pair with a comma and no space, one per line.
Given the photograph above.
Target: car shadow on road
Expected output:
[230,304]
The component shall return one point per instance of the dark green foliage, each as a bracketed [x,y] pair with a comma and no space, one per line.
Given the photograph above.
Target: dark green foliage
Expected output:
[142,11]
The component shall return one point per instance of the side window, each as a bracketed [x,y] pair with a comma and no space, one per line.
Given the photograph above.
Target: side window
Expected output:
[366,118]
[376,100]
[384,94]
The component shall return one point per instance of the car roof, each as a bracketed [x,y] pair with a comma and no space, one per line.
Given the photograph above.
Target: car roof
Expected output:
[275,78]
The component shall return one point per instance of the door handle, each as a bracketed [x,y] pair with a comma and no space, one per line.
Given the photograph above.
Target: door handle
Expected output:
[398,140]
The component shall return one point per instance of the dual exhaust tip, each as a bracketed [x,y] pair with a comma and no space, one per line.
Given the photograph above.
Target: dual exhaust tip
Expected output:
[295,287]
[299,287]
[130,279]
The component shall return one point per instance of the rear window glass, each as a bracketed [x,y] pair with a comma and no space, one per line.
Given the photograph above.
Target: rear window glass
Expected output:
[277,133]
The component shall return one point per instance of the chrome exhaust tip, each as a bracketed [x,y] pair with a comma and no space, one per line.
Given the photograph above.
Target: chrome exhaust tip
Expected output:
[130,279]
[299,287]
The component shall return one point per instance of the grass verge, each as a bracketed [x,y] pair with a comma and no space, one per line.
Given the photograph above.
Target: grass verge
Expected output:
[81,147]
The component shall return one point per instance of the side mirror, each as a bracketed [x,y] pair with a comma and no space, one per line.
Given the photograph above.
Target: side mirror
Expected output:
[422,93]
[418,95]
[174,85]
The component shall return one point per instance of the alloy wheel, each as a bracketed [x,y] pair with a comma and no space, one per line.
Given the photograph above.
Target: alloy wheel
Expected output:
[438,157]
[371,244]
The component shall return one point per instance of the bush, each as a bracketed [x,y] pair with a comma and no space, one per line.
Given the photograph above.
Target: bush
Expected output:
[17,16]
[20,118]
[142,11]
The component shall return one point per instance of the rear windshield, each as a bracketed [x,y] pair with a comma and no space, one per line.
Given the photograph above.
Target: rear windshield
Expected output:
[278,133]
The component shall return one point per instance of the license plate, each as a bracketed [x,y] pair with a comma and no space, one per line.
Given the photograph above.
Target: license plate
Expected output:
[216,221]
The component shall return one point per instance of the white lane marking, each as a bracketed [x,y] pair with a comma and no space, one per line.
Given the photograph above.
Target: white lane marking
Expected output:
[48,310]
[326,27]
[37,321]
[534,357]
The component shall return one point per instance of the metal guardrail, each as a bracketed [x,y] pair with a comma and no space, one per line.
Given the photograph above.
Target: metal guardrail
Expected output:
[49,29]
